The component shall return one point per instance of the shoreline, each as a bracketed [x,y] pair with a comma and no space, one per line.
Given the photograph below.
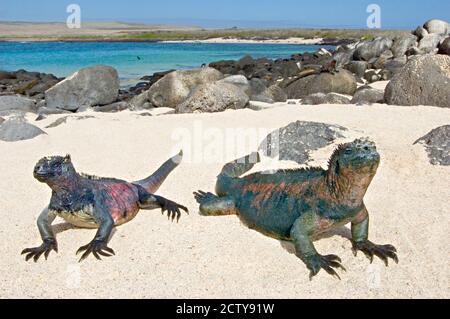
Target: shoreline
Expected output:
[221,40]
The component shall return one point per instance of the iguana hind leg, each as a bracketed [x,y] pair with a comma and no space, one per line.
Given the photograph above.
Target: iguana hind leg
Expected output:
[212,205]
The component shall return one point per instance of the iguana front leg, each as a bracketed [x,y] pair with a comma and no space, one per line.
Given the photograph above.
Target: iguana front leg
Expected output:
[212,205]
[360,240]
[301,234]
[44,222]
[98,246]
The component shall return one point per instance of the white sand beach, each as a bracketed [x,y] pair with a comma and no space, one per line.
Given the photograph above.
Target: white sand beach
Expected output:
[218,257]
[298,41]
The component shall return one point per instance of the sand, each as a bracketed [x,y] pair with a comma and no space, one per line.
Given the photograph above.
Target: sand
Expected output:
[218,257]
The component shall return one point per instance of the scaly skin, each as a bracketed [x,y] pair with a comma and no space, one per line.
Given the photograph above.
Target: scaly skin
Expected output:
[92,202]
[299,205]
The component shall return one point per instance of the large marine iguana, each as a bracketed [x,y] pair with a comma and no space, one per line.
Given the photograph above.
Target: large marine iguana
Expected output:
[298,205]
[93,202]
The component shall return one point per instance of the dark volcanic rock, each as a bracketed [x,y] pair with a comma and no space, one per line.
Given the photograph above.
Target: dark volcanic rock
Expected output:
[295,141]
[437,145]
[444,47]
[17,129]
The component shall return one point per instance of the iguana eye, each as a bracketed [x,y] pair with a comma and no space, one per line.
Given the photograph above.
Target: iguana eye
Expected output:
[348,151]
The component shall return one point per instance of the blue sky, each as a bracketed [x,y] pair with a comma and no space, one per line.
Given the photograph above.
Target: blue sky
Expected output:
[228,13]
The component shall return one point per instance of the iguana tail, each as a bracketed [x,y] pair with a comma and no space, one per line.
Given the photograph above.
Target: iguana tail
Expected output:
[152,183]
[234,170]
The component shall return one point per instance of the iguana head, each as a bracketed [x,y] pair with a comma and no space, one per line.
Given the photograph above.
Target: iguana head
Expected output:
[353,166]
[360,156]
[52,170]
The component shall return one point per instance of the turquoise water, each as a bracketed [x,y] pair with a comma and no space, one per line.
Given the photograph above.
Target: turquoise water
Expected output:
[64,58]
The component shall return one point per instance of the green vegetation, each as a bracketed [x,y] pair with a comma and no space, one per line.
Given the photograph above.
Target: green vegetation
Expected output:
[256,34]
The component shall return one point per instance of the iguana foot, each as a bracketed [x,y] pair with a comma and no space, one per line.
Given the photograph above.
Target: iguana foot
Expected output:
[47,246]
[173,210]
[384,252]
[97,248]
[203,198]
[317,262]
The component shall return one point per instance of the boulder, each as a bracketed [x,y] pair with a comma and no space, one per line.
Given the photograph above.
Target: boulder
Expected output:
[296,141]
[16,102]
[372,76]
[444,47]
[225,67]
[420,32]
[395,65]
[98,85]
[384,58]
[425,80]
[238,80]
[437,27]
[214,97]
[430,43]
[17,129]
[402,44]
[437,144]
[372,49]
[321,98]
[343,82]
[260,93]
[358,68]
[175,87]
[368,95]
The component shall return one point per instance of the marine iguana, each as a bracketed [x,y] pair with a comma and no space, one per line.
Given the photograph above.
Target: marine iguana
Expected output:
[92,202]
[298,205]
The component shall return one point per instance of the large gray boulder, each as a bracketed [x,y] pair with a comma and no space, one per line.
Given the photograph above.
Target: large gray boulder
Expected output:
[402,44]
[98,85]
[420,32]
[373,49]
[214,97]
[175,87]
[437,144]
[16,102]
[343,82]
[430,43]
[238,80]
[321,98]
[17,129]
[368,95]
[260,93]
[425,80]
[296,141]
[437,27]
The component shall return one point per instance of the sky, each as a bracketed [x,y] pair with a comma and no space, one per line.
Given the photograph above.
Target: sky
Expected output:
[398,14]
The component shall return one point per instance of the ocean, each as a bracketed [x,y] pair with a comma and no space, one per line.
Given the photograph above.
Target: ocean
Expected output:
[131,59]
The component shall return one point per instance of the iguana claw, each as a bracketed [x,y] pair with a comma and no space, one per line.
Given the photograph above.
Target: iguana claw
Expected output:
[203,197]
[327,263]
[384,252]
[46,247]
[173,210]
[97,248]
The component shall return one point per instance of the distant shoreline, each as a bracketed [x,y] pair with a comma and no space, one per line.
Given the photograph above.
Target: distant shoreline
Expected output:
[125,32]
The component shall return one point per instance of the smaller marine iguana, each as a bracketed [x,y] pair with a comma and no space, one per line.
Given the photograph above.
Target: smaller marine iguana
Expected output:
[93,202]
[298,205]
